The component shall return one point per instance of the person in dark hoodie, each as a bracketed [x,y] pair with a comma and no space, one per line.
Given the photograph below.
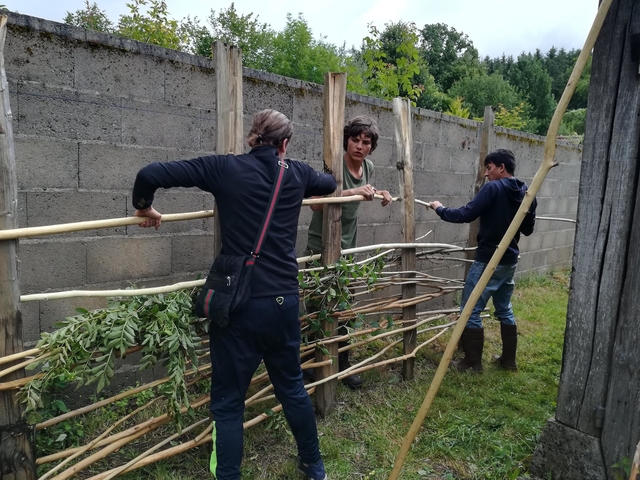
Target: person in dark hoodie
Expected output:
[496,204]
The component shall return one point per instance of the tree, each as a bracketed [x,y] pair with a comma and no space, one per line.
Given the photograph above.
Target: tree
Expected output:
[457,109]
[449,54]
[90,17]
[254,38]
[154,26]
[514,118]
[389,63]
[534,85]
[483,90]
[297,54]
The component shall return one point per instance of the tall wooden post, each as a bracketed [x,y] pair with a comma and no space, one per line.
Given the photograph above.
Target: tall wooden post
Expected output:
[486,146]
[402,116]
[229,134]
[335,88]
[17,460]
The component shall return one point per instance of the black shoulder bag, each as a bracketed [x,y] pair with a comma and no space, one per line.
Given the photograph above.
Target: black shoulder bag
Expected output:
[228,284]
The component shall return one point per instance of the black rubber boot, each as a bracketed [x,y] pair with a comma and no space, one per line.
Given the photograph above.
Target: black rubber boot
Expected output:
[472,345]
[354,382]
[507,360]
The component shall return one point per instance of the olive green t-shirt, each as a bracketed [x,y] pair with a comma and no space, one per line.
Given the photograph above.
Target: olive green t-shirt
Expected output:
[349,211]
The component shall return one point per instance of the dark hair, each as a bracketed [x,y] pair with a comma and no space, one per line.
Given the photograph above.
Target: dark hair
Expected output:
[502,156]
[359,125]
[270,127]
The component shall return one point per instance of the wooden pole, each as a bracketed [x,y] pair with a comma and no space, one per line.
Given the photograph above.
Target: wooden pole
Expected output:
[486,145]
[335,88]
[229,134]
[402,117]
[17,460]
[547,164]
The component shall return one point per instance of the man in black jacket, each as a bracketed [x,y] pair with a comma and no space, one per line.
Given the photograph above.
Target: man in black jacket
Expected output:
[268,326]
[496,204]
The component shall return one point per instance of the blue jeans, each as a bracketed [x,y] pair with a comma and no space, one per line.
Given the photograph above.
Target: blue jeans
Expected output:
[267,328]
[500,288]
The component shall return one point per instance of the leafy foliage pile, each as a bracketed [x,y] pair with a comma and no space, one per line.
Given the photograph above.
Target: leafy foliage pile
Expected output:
[83,348]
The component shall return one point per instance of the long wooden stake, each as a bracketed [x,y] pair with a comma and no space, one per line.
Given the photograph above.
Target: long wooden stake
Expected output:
[229,110]
[547,164]
[402,117]
[335,87]
[16,449]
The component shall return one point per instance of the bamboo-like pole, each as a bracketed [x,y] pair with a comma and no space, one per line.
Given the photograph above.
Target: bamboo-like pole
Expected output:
[144,455]
[570,220]
[635,467]
[17,233]
[91,444]
[19,355]
[547,164]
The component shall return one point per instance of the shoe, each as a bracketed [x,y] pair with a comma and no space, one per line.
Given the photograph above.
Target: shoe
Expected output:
[312,471]
[507,360]
[354,382]
[472,345]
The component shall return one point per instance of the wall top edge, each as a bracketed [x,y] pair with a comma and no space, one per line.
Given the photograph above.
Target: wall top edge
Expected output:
[17,20]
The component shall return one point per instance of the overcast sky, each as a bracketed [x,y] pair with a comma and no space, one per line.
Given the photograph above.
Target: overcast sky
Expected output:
[494,26]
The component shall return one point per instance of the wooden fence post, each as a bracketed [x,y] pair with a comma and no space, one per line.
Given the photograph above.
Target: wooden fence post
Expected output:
[17,461]
[229,114]
[335,87]
[402,116]
[486,146]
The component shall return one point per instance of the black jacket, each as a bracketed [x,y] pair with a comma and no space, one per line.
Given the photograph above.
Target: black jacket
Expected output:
[242,187]
[496,204]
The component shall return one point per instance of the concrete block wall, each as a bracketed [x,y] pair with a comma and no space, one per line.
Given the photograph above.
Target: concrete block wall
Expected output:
[90,109]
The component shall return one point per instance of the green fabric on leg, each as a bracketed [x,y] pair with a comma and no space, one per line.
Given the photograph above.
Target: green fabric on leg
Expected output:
[213,464]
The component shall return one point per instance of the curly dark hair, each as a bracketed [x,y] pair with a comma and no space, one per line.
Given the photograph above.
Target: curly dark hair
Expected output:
[502,156]
[359,125]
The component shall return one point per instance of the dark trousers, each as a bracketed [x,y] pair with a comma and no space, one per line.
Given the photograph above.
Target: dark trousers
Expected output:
[267,328]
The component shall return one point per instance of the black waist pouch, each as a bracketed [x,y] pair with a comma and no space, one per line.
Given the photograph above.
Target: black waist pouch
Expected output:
[228,287]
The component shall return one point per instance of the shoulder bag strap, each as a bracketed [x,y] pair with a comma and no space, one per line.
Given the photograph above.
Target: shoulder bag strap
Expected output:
[268,214]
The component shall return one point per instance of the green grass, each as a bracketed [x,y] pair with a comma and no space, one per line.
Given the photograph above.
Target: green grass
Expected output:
[479,427]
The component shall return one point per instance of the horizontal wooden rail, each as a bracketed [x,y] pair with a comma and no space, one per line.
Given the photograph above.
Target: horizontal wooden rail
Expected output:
[17,233]
[35,297]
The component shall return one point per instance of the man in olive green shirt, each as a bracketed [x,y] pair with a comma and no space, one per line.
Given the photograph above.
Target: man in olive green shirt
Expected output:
[360,139]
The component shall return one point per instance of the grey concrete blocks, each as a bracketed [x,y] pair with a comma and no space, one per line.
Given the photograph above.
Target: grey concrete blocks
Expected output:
[437,158]
[114,167]
[189,85]
[54,311]
[50,208]
[44,264]
[30,322]
[385,153]
[174,201]
[305,145]
[63,113]
[46,162]
[158,124]
[124,259]
[22,210]
[386,233]
[261,95]
[308,107]
[208,132]
[32,56]
[373,212]
[191,253]
[117,73]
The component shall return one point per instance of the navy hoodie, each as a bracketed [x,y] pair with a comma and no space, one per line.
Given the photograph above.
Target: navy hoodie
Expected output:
[496,204]
[242,186]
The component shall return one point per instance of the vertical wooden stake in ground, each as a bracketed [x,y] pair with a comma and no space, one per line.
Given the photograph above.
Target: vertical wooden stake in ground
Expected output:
[402,117]
[17,460]
[486,146]
[335,87]
[229,134]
